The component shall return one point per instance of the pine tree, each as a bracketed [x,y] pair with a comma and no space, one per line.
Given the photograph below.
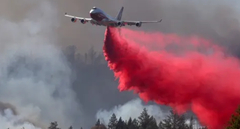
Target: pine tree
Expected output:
[173,121]
[53,125]
[70,127]
[98,122]
[129,121]
[135,124]
[121,124]
[152,124]
[144,119]
[234,122]
[112,122]
[191,123]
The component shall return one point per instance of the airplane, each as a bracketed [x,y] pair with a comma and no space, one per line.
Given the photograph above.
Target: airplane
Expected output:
[100,18]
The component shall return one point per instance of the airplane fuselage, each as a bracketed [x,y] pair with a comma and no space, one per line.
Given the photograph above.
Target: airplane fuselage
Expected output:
[101,17]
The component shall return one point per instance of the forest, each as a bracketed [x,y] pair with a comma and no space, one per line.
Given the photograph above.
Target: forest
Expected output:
[144,121]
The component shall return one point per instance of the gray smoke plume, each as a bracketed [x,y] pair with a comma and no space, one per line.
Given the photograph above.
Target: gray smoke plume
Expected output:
[5,106]
[35,77]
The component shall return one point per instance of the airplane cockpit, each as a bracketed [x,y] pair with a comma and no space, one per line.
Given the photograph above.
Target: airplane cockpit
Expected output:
[93,10]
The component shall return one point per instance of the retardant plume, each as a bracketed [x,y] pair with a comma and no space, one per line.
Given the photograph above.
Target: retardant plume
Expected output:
[205,81]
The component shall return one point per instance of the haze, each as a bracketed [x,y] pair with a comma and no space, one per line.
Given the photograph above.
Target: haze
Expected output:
[34,33]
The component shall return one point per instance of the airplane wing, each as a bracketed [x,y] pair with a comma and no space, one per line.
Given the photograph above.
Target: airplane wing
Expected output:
[139,22]
[79,18]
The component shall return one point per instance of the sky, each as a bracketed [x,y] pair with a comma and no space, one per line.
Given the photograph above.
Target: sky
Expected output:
[33,32]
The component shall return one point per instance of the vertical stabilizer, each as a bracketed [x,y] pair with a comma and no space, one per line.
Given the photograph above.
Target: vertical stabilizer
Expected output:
[119,16]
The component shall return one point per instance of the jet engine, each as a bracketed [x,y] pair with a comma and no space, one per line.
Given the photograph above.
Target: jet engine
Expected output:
[73,19]
[120,24]
[83,21]
[139,24]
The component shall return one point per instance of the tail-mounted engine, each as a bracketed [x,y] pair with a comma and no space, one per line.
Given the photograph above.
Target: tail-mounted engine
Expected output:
[139,24]
[74,20]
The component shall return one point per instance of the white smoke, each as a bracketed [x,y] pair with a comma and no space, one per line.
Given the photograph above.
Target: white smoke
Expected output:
[131,109]
[34,76]
[9,120]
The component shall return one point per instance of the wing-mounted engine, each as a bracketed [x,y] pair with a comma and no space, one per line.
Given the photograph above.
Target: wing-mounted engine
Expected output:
[83,21]
[120,24]
[139,24]
[74,19]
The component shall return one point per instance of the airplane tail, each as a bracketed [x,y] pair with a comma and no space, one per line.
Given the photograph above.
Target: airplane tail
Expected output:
[119,16]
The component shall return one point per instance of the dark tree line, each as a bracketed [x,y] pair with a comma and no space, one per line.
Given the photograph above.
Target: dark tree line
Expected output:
[144,121]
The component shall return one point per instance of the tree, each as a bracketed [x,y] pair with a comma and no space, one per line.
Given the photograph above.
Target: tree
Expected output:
[191,123]
[70,53]
[112,122]
[121,124]
[173,121]
[53,125]
[135,124]
[70,127]
[132,124]
[98,122]
[92,55]
[144,119]
[234,122]
[152,123]
[129,121]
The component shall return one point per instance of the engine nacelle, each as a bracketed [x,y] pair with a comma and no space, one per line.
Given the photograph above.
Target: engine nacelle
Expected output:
[83,21]
[120,23]
[74,20]
[139,24]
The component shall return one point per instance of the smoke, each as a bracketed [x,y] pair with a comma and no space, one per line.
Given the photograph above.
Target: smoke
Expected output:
[133,109]
[35,77]
[216,20]
[9,120]
[206,83]
[4,106]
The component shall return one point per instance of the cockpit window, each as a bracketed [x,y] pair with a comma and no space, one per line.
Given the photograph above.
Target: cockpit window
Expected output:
[94,7]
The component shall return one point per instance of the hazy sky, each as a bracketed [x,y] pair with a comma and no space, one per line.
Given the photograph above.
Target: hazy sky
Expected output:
[212,19]
[36,30]
[209,18]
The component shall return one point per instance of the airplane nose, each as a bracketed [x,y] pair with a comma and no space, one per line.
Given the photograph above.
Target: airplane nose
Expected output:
[91,11]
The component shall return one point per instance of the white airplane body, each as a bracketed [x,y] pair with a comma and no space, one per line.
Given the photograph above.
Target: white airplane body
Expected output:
[99,17]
